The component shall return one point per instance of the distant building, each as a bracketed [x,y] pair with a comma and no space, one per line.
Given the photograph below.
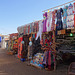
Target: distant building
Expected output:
[4,41]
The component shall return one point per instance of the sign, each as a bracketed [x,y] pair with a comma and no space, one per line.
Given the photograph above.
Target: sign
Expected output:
[61,32]
[72,30]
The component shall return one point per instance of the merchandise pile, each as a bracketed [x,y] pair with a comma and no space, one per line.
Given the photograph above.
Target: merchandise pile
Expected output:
[37,60]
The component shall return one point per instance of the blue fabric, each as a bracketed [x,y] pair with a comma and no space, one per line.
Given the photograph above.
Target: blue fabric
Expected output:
[65,17]
[0,39]
[33,35]
[59,24]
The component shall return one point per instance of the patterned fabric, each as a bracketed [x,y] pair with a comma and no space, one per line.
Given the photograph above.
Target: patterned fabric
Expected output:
[70,17]
[30,28]
[59,24]
[49,60]
[53,20]
[24,30]
[44,21]
[74,15]
[37,26]
[65,17]
[48,25]
[20,46]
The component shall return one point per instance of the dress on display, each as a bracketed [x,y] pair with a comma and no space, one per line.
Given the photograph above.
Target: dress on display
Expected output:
[59,24]
[53,20]
[70,17]
[65,17]
[44,21]
[49,17]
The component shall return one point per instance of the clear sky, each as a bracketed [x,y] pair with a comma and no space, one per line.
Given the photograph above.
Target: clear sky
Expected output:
[14,13]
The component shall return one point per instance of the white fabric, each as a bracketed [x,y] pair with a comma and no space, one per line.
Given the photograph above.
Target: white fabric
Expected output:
[70,25]
[48,24]
[40,30]
[70,17]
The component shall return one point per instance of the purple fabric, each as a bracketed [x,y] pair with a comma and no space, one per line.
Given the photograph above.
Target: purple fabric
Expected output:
[44,21]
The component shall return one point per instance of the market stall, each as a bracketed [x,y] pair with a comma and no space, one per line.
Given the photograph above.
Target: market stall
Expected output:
[13,43]
[28,34]
[41,40]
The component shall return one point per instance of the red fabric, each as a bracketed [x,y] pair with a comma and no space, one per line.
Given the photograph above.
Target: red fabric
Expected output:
[28,28]
[74,15]
[49,61]
[20,46]
[35,35]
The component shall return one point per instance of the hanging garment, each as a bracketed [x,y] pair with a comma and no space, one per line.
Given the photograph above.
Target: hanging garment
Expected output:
[70,17]
[30,28]
[49,60]
[37,26]
[34,27]
[24,30]
[44,59]
[0,38]
[74,14]
[40,30]
[65,17]
[59,24]
[53,20]
[20,46]
[52,61]
[48,25]
[44,21]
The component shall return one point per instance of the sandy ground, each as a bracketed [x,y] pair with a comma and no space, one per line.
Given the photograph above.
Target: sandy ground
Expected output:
[11,65]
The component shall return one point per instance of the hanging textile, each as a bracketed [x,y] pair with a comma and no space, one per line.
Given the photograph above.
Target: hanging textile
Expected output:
[48,60]
[74,15]
[34,27]
[70,17]
[40,30]
[53,20]
[59,24]
[26,29]
[0,39]
[48,25]
[20,46]
[33,35]
[30,28]
[44,21]
[65,17]
[37,26]
[22,30]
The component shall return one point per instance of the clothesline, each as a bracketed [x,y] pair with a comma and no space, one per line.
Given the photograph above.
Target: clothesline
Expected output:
[58,6]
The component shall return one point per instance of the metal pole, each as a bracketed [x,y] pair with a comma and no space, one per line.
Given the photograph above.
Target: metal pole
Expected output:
[58,6]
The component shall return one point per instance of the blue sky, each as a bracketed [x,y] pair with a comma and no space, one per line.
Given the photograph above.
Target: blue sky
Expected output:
[14,13]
